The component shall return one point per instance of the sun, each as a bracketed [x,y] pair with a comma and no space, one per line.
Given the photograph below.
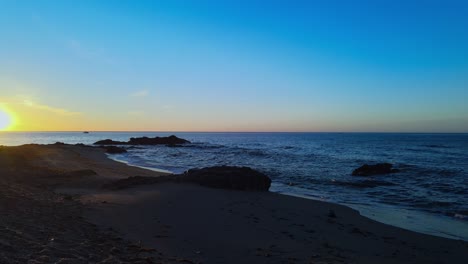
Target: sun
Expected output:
[5,120]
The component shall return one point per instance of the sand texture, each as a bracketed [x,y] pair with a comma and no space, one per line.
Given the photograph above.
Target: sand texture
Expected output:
[54,210]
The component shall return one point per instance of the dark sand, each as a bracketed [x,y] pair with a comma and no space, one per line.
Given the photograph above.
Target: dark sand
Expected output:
[54,210]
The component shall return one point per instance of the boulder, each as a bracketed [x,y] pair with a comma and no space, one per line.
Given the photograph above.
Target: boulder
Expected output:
[223,177]
[376,169]
[228,177]
[171,140]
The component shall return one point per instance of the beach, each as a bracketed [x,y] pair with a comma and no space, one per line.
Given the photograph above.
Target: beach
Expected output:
[56,211]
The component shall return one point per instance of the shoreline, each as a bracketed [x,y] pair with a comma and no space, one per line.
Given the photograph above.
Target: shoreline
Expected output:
[401,218]
[181,222]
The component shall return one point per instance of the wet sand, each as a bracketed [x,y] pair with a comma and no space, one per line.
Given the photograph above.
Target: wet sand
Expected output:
[54,210]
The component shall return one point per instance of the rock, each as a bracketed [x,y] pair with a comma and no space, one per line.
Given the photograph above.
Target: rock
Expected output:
[109,142]
[228,177]
[114,149]
[171,140]
[224,177]
[377,169]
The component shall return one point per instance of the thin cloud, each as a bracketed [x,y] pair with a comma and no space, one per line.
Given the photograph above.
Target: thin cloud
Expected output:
[141,93]
[55,110]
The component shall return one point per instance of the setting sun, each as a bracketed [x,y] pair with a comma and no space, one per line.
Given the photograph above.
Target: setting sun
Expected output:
[5,120]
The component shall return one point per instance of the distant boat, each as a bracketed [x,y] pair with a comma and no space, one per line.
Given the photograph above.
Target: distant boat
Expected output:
[85,132]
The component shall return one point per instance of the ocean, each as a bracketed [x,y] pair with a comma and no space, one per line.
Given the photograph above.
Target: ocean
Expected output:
[428,195]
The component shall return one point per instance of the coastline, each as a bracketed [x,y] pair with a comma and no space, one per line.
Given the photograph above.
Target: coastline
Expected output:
[173,223]
[409,220]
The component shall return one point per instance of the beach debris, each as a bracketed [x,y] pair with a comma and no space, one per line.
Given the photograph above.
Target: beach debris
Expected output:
[376,169]
[170,140]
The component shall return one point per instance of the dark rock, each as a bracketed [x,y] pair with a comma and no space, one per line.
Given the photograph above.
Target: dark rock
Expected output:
[110,142]
[227,177]
[224,177]
[114,149]
[377,169]
[171,140]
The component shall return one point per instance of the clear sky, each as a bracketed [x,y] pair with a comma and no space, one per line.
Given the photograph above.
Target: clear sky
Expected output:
[376,65]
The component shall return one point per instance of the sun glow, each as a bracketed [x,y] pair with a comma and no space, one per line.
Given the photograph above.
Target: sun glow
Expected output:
[6,120]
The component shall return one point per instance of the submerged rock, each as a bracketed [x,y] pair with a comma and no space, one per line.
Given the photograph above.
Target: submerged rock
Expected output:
[171,140]
[377,169]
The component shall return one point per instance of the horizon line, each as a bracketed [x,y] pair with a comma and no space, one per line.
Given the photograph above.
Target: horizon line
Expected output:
[167,131]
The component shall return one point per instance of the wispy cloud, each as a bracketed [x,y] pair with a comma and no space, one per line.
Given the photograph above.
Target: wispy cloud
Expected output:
[55,110]
[141,93]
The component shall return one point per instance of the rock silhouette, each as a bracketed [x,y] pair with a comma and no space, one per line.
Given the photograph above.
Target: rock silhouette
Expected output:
[171,140]
[223,177]
[377,169]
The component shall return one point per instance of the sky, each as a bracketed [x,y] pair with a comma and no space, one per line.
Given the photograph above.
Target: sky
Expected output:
[318,66]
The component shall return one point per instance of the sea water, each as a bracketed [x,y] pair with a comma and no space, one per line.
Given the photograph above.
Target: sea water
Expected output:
[429,194]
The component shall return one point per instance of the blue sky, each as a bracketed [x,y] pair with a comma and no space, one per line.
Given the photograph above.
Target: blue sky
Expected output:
[385,66]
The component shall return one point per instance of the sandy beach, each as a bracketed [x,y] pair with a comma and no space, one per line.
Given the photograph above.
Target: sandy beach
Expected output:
[55,210]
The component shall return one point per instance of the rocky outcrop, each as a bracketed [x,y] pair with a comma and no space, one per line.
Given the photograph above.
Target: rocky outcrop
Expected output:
[108,149]
[377,169]
[171,140]
[228,177]
[223,177]
[114,149]
[109,142]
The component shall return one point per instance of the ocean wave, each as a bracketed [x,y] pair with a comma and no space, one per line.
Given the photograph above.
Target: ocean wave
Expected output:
[436,146]
[363,184]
